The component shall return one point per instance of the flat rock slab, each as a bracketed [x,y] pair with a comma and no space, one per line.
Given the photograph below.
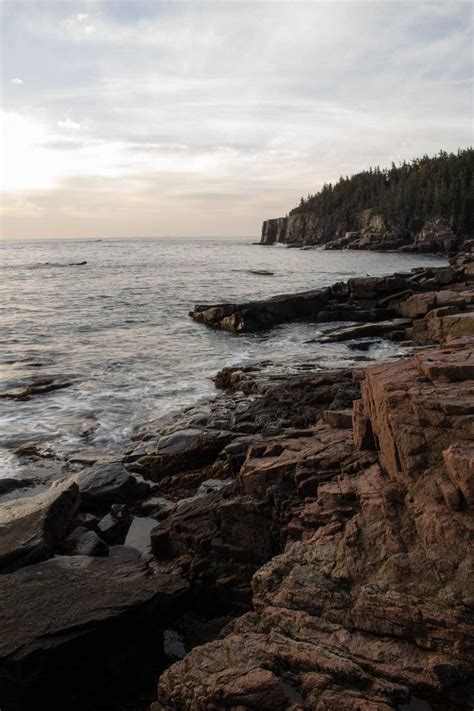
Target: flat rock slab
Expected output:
[66,597]
[368,330]
[31,527]
[179,451]
[64,622]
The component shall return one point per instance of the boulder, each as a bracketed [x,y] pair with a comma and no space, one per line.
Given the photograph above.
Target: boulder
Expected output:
[63,618]
[113,528]
[106,484]
[179,451]
[32,527]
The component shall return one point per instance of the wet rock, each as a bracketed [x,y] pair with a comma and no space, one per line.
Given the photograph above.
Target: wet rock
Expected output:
[9,484]
[82,541]
[64,617]
[156,506]
[36,387]
[259,315]
[31,527]
[180,451]
[113,528]
[369,330]
[106,484]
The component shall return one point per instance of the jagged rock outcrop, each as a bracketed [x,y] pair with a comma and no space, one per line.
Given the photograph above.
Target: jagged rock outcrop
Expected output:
[364,230]
[358,299]
[371,600]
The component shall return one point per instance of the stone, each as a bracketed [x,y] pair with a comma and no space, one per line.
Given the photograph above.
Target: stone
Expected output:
[32,527]
[179,451]
[368,603]
[113,528]
[368,330]
[9,484]
[89,543]
[106,484]
[65,616]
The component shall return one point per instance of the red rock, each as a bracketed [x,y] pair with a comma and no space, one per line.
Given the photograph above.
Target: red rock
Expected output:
[371,600]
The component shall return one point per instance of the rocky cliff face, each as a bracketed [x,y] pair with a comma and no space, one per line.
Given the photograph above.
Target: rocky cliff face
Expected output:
[370,602]
[365,230]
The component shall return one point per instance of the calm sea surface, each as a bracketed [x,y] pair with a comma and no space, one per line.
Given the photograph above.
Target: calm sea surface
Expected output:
[118,329]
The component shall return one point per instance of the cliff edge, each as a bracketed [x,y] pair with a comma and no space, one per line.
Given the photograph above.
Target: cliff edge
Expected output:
[423,206]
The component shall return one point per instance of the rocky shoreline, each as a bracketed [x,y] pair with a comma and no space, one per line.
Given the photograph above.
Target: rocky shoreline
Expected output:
[299,542]
[366,230]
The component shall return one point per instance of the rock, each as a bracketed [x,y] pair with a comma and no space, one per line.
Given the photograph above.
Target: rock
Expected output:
[418,305]
[369,602]
[31,527]
[375,287]
[365,299]
[106,484]
[341,419]
[36,387]
[157,506]
[90,544]
[113,528]
[61,619]
[220,540]
[366,331]
[259,315]
[9,484]
[180,451]
[459,463]
[84,542]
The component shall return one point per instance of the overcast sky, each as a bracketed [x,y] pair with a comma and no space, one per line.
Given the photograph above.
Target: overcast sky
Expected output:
[131,118]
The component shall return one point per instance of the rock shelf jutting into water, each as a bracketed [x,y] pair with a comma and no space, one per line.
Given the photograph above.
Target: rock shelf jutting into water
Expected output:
[302,541]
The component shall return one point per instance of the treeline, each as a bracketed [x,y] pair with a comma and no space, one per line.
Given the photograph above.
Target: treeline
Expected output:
[408,195]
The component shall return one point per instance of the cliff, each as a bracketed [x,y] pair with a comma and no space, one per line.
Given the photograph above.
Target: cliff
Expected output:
[365,230]
[423,206]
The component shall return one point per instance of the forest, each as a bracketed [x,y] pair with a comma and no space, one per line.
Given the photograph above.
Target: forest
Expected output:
[408,195]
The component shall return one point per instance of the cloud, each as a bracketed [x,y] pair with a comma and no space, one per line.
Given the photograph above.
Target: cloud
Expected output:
[259,101]
[17,80]
[67,123]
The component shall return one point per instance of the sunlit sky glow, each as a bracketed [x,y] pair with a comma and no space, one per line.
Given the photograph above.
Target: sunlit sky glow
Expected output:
[138,118]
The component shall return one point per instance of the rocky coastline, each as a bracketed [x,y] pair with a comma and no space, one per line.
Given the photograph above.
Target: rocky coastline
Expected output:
[302,541]
[367,230]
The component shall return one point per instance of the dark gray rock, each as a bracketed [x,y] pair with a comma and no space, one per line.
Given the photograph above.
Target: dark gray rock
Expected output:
[180,451]
[368,330]
[90,544]
[65,620]
[105,484]
[113,528]
[82,541]
[9,484]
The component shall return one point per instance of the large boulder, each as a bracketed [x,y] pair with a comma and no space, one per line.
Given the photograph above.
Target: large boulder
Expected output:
[63,618]
[106,484]
[179,451]
[31,527]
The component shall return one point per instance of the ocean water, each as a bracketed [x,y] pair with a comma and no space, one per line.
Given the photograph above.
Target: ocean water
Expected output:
[117,328]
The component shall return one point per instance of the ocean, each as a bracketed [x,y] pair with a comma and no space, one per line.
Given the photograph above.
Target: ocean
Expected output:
[116,329]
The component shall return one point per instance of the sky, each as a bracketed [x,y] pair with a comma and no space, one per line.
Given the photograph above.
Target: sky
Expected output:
[131,118]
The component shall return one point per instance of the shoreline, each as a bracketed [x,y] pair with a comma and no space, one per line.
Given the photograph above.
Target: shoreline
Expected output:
[260,481]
